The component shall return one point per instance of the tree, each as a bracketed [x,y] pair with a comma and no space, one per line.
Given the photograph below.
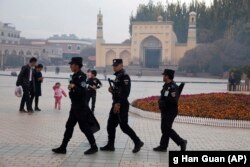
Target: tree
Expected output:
[215,65]
[246,70]
[215,58]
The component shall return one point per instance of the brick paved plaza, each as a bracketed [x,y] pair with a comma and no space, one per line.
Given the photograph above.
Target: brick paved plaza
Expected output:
[26,139]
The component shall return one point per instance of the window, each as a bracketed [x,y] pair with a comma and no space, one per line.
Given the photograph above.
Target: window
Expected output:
[2,33]
[69,47]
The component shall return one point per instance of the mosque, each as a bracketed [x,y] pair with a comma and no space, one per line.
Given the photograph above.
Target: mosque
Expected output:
[153,44]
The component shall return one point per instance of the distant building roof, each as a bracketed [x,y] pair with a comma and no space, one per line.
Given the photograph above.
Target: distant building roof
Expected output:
[72,38]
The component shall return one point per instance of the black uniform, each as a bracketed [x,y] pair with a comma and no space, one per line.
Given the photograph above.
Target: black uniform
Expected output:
[168,104]
[79,111]
[92,92]
[121,91]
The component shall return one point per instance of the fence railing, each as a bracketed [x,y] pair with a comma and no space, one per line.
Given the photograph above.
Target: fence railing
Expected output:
[238,87]
[194,120]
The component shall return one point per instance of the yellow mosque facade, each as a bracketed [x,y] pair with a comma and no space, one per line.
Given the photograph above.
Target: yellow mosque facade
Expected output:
[153,44]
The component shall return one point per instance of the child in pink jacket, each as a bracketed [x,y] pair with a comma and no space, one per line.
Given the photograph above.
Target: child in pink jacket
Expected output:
[58,93]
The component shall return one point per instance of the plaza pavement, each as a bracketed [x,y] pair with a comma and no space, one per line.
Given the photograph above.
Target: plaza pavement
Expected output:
[26,139]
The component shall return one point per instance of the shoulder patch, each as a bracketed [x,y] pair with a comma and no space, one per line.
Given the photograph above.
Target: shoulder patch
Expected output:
[126,81]
[173,94]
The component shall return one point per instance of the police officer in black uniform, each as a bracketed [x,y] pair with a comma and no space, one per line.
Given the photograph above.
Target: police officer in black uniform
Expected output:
[168,104]
[79,109]
[120,108]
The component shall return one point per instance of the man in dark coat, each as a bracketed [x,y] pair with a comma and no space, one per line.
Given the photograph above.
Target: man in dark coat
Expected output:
[26,80]
[79,112]
[168,104]
[38,78]
[120,107]
[93,84]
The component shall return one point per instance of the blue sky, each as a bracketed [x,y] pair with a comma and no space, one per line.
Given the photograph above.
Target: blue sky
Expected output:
[43,18]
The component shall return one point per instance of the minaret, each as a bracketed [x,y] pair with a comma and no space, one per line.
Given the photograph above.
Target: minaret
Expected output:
[191,41]
[99,34]
[100,59]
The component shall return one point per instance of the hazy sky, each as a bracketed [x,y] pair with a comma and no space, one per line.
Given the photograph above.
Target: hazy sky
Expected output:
[43,18]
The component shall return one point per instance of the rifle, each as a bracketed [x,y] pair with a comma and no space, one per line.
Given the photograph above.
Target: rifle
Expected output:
[180,87]
[112,88]
[110,84]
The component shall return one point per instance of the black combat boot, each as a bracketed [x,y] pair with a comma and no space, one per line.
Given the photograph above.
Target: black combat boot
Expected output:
[92,150]
[108,147]
[138,146]
[59,150]
[62,148]
[183,145]
[160,149]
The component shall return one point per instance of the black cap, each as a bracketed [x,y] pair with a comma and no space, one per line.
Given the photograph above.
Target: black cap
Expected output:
[169,72]
[116,62]
[94,72]
[76,60]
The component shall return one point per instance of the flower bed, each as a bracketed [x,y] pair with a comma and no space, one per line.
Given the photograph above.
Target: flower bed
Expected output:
[213,105]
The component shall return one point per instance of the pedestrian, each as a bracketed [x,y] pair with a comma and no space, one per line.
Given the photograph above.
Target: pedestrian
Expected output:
[105,74]
[57,70]
[89,74]
[120,107]
[168,104]
[79,112]
[232,82]
[38,79]
[93,84]
[58,93]
[45,69]
[26,80]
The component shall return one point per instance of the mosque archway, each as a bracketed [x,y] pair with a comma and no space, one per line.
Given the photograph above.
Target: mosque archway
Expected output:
[151,52]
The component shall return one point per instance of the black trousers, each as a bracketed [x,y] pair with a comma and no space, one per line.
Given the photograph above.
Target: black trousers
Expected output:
[122,120]
[28,92]
[92,95]
[36,100]
[167,119]
[78,114]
